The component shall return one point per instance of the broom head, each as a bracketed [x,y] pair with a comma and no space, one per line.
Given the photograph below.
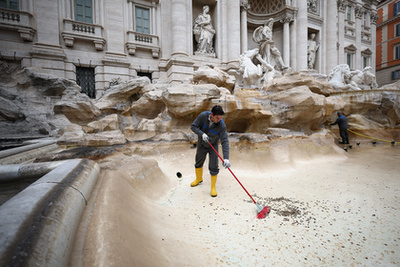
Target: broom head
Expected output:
[262,212]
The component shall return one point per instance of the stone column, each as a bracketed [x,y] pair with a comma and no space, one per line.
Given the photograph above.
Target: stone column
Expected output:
[286,40]
[374,18]
[331,52]
[179,66]
[130,16]
[233,26]
[153,15]
[223,31]
[358,59]
[179,24]
[293,45]
[302,35]
[341,8]
[68,9]
[98,11]
[245,6]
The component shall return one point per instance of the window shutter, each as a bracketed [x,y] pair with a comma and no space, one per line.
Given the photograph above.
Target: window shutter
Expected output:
[88,11]
[397,29]
[142,20]
[11,4]
[397,52]
[78,10]
[396,8]
[83,11]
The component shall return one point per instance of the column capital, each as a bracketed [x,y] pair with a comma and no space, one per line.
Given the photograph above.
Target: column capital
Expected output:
[286,19]
[374,17]
[341,4]
[359,10]
[245,4]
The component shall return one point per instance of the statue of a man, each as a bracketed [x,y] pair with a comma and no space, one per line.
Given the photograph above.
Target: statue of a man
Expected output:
[268,51]
[204,32]
[312,48]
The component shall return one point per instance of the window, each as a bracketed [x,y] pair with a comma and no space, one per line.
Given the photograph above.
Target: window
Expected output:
[145,74]
[10,4]
[396,8]
[142,20]
[397,29]
[83,11]
[348,13]
[395,74]
[350,60]
[366,60]
[85,79]
[365,19]
[397,52]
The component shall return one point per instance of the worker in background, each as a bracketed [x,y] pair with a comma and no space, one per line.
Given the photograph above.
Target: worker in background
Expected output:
[342,122]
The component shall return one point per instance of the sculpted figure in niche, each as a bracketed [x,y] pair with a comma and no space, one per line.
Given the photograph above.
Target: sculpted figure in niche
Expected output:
[269,53]
[312,5]
[312,51]
[204,32]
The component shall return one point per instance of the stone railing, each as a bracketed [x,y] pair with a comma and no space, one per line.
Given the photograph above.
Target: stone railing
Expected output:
[20,21]
[83,31]
[143,41]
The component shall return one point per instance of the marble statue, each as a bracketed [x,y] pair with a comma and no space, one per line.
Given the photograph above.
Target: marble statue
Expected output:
[341,77]
[204,32]
[268,51]
[254,75]
[370,78]
[312,48]
[364,79]
[251,73]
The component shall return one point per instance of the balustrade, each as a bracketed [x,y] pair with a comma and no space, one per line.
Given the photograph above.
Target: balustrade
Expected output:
[20,21]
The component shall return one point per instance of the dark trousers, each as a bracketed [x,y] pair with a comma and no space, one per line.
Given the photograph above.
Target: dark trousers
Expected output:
[344,135]
[201,155]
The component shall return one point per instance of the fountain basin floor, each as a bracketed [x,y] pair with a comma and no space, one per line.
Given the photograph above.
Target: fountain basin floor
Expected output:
[329,207]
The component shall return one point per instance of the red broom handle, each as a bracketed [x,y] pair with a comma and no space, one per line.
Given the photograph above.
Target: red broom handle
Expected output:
[232,173]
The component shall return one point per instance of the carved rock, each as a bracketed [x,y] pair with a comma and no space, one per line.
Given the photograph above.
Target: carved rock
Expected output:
[77,107]
[182,100]
[108,123]
[295,79]
[10,111]
[207,75]
[299,109]
[149,105]
[118,98]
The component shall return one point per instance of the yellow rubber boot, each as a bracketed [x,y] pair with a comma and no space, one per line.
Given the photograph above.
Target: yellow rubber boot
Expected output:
[213,182]
[199,177]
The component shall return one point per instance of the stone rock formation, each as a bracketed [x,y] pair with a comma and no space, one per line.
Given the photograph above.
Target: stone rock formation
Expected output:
[207,75]
[34,104]
[77,107]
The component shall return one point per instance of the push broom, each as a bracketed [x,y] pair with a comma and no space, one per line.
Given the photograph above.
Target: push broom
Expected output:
[261,212]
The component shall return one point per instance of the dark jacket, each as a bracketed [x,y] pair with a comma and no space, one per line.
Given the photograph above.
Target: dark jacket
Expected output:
[215,132]
[342,122]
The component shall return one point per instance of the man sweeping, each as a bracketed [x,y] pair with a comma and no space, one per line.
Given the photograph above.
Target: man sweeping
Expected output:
[210,127]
